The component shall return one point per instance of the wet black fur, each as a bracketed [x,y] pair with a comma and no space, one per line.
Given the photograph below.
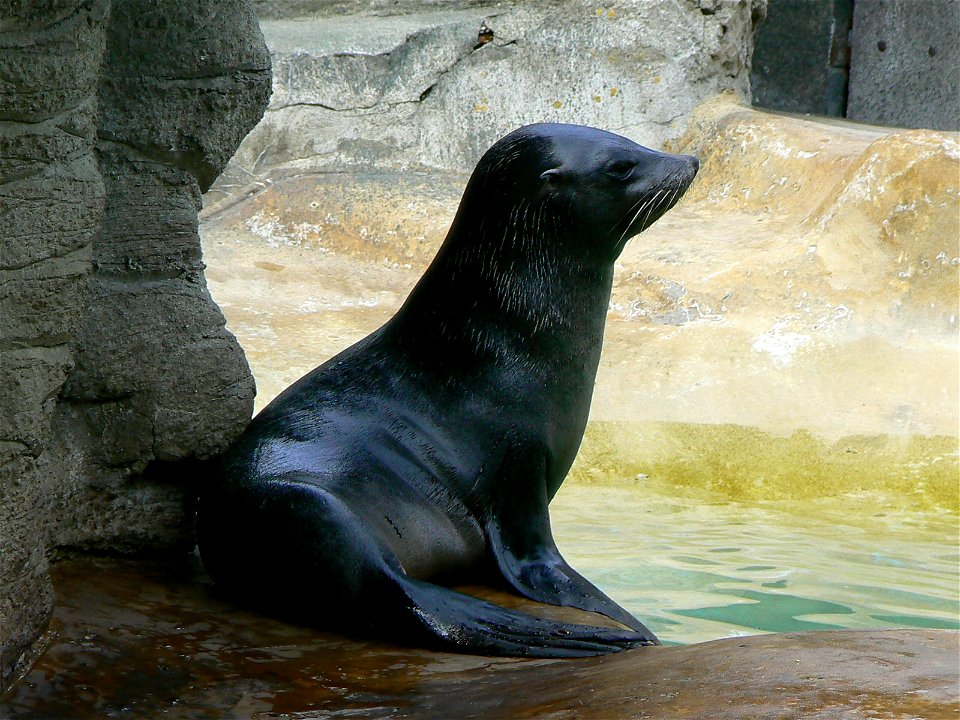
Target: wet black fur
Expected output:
[431,448]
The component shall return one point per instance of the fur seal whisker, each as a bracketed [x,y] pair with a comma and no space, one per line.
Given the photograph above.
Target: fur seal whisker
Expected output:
[627,214]
[654,205]
[646,203]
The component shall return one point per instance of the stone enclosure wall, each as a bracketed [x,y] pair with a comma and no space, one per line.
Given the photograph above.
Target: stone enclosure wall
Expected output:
[904,61]
[115,366]
[113,358]
[892,62]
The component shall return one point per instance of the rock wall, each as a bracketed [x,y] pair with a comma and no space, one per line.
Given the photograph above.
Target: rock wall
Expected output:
[801,58]
[904,57]
[437,85]
[114,361]
[892,62]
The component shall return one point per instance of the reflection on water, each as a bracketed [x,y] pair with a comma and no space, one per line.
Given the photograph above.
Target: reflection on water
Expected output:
[695,570]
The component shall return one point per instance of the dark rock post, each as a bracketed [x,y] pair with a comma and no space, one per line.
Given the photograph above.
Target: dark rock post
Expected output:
[114,361]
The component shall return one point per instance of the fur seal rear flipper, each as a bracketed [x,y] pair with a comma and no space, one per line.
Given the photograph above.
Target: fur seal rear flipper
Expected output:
[433,446]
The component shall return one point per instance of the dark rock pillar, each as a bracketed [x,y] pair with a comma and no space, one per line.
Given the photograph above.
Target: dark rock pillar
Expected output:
[51,200]
[114,360]
[801,57]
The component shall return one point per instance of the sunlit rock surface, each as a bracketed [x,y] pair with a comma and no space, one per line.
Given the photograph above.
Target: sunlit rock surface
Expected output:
[789,330]
[155,641]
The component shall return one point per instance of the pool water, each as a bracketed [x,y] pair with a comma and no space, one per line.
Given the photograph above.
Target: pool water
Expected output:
[694,568]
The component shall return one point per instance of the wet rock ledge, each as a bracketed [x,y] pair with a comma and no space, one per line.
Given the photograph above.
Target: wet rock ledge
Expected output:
[154,640]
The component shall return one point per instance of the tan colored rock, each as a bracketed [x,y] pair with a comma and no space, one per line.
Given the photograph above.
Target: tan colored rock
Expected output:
[790,308]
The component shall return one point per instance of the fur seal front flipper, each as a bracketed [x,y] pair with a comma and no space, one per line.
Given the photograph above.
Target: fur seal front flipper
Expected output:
[431,448]
[521,542]
[456,621]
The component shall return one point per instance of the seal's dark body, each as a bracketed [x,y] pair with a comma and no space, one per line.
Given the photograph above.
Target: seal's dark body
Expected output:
[432,447]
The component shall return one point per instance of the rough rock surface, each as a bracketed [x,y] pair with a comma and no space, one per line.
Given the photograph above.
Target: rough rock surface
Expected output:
[801,57]
[50,206]
[904,57]
[438,86]
[113,120]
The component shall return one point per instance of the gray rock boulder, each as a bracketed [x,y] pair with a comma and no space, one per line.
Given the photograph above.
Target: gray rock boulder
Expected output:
[113,358]
[436,86]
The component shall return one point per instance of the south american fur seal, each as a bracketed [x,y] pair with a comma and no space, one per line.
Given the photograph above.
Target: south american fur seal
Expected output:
[428,451]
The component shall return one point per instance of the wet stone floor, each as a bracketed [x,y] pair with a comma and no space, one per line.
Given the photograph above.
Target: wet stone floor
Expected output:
[153,640]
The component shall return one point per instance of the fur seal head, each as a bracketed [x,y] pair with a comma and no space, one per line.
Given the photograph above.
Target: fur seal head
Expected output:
[546,212]
[585,190]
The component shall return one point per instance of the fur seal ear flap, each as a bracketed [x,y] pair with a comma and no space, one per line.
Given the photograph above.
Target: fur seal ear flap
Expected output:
[553,175]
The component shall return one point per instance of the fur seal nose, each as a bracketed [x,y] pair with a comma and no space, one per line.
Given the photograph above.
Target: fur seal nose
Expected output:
[693,163]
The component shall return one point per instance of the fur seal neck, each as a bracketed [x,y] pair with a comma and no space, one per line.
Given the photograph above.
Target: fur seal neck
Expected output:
[530,253]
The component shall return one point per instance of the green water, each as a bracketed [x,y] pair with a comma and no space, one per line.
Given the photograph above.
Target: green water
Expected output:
[696,569]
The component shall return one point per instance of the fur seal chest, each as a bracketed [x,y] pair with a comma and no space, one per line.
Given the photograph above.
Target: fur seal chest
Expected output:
[432,447]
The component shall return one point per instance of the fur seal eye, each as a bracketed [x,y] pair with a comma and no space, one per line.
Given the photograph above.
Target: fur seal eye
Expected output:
[620,168]
[552,175]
